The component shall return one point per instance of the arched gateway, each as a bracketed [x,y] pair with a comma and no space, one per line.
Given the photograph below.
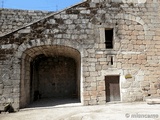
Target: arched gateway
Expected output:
[49,71]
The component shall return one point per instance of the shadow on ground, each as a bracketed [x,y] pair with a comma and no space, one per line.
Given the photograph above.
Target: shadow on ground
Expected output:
[54,102]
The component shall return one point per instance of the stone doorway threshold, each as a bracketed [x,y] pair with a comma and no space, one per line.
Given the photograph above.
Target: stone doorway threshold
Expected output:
[52,103]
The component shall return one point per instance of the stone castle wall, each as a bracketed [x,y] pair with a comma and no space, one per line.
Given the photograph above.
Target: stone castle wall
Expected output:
[57,77]
[81,28]
[12,19]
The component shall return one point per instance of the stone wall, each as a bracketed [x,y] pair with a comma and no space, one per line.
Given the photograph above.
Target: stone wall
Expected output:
[81,28]
[57,77]
[12,19]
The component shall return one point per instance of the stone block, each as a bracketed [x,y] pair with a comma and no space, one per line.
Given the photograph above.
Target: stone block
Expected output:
[7,90]
[85,11]
[101,99]
[102,102]
[93,84]
[102,59]
[100,88]
[68,21]
[93,93]
[85,93]
[95,1]
[91,69]
[93,88]
[90,79]
[9,100]
[86,74]
[85,69]
[98,67]
[145,88]
[126,84]
[138,94]
[139,98]
[152,91]
[1,91]
[157,86]
[9,46]
[93,74]
[93,97]
[7,82]
[16,106]
[155,95]
[135,85]
[153,100]
[85,102]
[86,98]
[105,67]
[27,30]
[158,91]
[99,78]
[131,99]
[1,86]
[92,60]
[1,107]
[101,93]
[2,100]
[142,57]
[16,90]
[52,21]
[92,102]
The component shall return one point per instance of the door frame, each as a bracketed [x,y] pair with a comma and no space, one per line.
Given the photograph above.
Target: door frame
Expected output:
[108,89]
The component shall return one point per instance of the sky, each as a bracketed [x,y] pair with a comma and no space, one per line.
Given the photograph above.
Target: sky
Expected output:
[46,5]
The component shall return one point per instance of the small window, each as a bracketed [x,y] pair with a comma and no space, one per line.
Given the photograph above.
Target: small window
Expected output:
[109,38]
[111,60]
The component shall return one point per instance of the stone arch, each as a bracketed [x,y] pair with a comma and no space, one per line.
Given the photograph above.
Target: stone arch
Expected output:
[133,18]
[27,51]
[40,42]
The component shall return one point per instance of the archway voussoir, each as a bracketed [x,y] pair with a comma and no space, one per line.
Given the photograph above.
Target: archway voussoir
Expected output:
[39,42]
[18,54]
[22,47]
[33,43]
[48,42]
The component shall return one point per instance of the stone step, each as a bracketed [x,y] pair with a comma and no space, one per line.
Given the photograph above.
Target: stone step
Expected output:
[153,100]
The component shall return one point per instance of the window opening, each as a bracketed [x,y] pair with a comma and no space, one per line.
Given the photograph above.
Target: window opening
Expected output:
[109,38]
[111,60]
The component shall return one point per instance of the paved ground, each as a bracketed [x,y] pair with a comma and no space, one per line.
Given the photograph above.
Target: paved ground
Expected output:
[75,111]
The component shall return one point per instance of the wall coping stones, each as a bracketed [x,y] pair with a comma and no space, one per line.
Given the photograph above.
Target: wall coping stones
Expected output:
[52,14]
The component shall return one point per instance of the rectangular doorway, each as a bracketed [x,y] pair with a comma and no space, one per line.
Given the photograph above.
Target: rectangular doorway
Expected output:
[112,88]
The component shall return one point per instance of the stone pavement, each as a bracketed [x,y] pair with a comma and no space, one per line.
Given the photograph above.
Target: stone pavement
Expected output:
[75,111]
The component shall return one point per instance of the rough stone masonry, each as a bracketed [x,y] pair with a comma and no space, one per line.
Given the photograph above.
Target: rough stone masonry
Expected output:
[79,33]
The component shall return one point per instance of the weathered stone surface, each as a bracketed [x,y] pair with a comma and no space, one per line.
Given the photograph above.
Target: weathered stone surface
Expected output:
[126,84]
[13,19]
[153,100]
[81,28]
[1,89]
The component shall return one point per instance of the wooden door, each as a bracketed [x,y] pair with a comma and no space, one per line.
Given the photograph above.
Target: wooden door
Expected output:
[112,88]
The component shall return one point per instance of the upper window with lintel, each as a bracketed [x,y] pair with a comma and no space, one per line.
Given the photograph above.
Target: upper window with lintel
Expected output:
[109,38]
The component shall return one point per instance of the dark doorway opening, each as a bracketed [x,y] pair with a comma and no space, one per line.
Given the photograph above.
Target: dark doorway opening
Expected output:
[112,88]
[53,77]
